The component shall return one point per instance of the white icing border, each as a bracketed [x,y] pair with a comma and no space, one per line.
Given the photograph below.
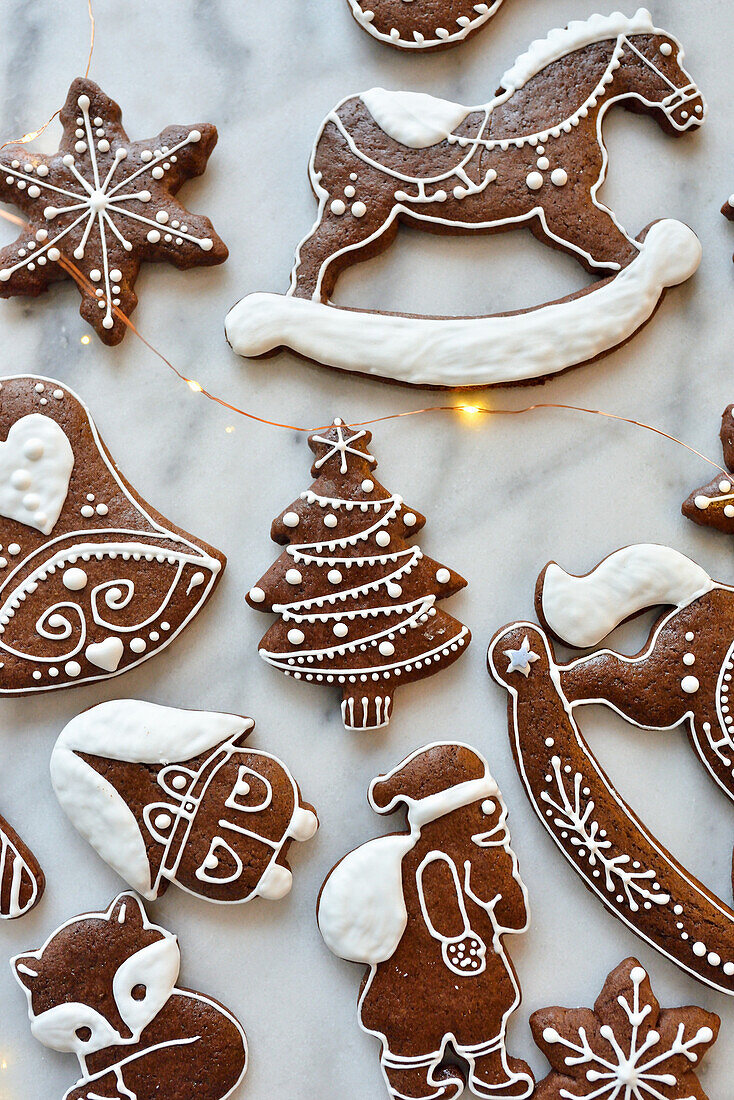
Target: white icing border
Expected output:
[422,43]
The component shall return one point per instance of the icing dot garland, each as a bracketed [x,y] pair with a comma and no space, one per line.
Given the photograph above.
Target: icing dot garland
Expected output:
[356,602]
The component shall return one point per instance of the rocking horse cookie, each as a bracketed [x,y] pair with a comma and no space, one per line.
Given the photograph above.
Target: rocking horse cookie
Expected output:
[533,156]
[92,580]
[681,677]
[167,795]
[22,882]
[427,911]
[422,25]
[713,505]
[103,987]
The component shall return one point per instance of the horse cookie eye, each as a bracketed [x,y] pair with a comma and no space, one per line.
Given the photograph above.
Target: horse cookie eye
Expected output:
[83,1034]
[139,992]
[666,49]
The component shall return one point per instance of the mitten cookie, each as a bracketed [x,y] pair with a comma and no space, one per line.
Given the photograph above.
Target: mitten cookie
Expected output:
[356,601]
[93,581]
[427,910]
[422,25]
[167,795]
[102,206]
[103,987]
[713,505]
[22,882]
[627,1047]
[682,676]
[533,156]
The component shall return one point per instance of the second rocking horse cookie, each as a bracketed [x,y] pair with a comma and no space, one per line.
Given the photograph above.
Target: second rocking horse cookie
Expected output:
[422,25]
[533,156]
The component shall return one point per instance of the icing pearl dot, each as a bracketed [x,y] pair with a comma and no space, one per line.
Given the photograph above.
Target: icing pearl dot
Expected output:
[296,637]
[714,959]
[729,511]
[33,450]
[724,486]
[349,191]
[359,209]
[137,645]
[387,649]
[340,630]
[543,164]
[382,538]
[330,520]
[72,668]
[690,684]
[293,576]
[95,275]
[291,519]
[534,180]
[115,275]
[153,236]
[690,636]
[162,821]
[178,782]
[162,217]
[102,509]
[335,576]
[394,590]
[729,969]
[87,511]
[443,576]
[666,49]
[75,580]
[559,178]
[13,548]
[157,172]
[699,949]
[338,207]
[367,485]
[257,595]
[689,659]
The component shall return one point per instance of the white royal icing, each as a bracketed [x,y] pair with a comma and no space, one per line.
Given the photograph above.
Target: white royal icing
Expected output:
[442,36]
[583,610]
[36,461]
[413,118]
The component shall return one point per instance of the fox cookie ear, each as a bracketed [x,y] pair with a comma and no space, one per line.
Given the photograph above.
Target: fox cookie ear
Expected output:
[128,909]
[26,969]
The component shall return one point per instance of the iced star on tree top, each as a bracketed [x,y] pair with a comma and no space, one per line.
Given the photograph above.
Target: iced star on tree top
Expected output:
[521,659]
[340,441]
[627,1048]
[104,205]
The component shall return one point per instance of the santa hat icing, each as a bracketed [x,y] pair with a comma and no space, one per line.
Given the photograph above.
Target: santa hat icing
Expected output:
[159,763]
[433,781]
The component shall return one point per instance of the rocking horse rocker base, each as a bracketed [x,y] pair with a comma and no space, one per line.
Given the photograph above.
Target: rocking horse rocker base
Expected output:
[462,352]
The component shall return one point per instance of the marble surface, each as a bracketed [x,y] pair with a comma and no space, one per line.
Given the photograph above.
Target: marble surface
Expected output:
[503,495]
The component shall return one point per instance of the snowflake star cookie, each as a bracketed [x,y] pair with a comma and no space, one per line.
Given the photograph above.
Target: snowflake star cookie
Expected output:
[104,205]
[627,1048]
[422,25]
[427,909]
[681,677]
[93,581]
[167,795]
[531,157]
[357,602]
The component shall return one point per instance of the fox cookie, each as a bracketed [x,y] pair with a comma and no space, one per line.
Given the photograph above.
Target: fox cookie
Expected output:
[357,601]
[102,206]
[422,25]
[533,156]
[93,581]
[103,987]
[681,677]
[167,795]
[713,505]
[627,1048]
[426,910]
[22,881]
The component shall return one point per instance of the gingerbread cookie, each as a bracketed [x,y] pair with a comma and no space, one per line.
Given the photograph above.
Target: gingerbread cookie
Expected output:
[728,208]
[22,881]
[713,505]
[427,910]
[627,1048]
[681,677]
[103,987]
[93,581]
[532,156]
[356,600]
[103,205]
[167,795]
[423,25]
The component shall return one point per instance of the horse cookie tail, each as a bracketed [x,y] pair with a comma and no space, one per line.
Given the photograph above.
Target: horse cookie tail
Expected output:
[421,25]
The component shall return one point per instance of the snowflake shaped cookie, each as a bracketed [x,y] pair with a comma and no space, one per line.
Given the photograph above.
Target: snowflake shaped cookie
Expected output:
[105,205]
[627,1048]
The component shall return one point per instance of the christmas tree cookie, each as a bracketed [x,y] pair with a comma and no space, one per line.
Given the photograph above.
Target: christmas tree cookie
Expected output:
[357,602]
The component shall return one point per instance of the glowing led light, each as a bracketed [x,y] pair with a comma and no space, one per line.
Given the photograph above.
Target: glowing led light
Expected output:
[86,340]
[193,385]
[229,429]
[470,410]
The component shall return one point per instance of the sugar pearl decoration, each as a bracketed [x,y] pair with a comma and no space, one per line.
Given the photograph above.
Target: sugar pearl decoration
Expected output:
[534,181]
[387,649]
[340,630]
[335,576]
[559,177]
[330,520]
[409,519]
[382,538]
[296,637]
[690,684]
[290,519]
[257,595]
[293,576]
[75,580]
[443,576]
[367,485]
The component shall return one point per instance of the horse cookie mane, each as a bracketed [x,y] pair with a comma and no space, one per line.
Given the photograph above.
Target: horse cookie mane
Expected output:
[565,40]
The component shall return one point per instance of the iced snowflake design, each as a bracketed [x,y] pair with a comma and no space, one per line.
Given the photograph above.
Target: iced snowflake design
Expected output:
[627,1048]
[104,205]
[341,446]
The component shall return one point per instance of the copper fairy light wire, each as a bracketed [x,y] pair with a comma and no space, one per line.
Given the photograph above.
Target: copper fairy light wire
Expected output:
[469,410]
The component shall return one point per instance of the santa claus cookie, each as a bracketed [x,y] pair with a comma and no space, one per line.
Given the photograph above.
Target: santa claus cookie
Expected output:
[532,156]
[167,795]
[713,505]
[103,987]
[627,1048]
[93,581]
[681,677]
[427,910]
[22,881]
[357,602]
[422,25]
[103,205]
